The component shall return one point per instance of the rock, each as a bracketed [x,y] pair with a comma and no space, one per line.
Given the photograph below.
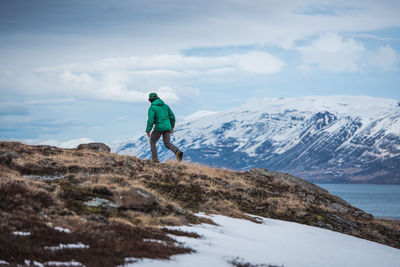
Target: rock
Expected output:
[136,199]
[260,174]
[181,211]
[310,198]
[339,207]
[6,157]
[96,202]
[94,146]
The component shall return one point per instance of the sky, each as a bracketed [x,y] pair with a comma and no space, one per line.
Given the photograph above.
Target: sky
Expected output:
[72,69]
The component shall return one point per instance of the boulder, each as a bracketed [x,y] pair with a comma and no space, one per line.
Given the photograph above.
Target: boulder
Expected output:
[94,146]
[136,199]
[6,157]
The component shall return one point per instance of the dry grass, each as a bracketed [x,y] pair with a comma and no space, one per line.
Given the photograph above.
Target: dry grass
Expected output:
[179,190]
[287,203]
[389,223]
[35,206]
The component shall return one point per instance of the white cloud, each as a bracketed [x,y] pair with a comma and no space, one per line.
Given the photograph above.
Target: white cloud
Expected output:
[259,62]
[384,58]
[333,53]
[170,65]
[131,79]
[168,28]
[168,94]
[50,101]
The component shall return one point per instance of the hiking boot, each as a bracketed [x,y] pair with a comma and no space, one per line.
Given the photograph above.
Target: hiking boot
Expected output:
[155,161]
[179,155]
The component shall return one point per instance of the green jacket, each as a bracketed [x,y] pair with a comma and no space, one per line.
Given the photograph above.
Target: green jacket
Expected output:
[161,115]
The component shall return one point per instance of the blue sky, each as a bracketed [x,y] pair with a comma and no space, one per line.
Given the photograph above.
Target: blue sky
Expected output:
[72,69]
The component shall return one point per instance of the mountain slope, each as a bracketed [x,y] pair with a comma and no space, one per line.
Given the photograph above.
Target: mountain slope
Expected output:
[323,139]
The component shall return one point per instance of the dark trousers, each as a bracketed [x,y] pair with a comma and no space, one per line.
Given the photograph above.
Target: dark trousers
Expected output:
[155,136]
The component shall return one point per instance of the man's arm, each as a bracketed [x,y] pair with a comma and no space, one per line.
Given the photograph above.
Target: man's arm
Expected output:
[171,118]
[150,121]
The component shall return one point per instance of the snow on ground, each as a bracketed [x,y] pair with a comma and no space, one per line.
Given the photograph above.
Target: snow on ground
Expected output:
[60,229]
[277,243]
[60,263]
[200,114]
[78,245]
[22,233]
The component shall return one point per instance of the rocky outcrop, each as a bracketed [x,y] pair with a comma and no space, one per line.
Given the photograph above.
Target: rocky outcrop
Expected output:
[95,147]
[310,204]
[309,192]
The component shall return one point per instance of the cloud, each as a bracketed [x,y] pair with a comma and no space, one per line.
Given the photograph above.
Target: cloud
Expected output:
[167,93]
[385,58]
[54,33]
[259,62]
[333,53]
[50,101]
[132,78]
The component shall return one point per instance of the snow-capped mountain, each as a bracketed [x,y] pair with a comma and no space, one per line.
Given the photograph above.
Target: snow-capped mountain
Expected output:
[320,138]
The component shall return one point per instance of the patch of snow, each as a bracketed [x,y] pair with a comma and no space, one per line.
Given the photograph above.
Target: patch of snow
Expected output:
[4,262]
[360,106]
[155,241]
[66,144]
[200,114]
[34,263]
[394,127]
[142,194]
[275,242]
[61,263]
[78,245]
[22,233]
[60,229]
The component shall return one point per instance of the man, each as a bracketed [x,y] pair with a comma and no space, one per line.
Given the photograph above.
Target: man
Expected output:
[164,119]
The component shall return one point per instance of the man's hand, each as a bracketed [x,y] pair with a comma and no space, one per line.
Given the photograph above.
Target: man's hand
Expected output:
[148,134]
[172,131]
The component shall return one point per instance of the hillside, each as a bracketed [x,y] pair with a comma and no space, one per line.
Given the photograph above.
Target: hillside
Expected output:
[108,207]
[322,139]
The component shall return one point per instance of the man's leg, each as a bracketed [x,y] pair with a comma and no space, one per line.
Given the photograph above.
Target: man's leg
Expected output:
[153,141]
[167,144]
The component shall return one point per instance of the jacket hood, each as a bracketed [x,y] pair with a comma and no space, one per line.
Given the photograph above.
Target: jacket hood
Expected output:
[158,102]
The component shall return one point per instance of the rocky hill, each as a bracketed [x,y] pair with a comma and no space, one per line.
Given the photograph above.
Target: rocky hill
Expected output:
[322,139]
[107,207]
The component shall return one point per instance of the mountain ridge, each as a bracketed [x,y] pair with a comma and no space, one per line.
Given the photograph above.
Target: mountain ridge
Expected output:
[352,139]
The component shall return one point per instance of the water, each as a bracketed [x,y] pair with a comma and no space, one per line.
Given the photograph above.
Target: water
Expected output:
[378,200]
